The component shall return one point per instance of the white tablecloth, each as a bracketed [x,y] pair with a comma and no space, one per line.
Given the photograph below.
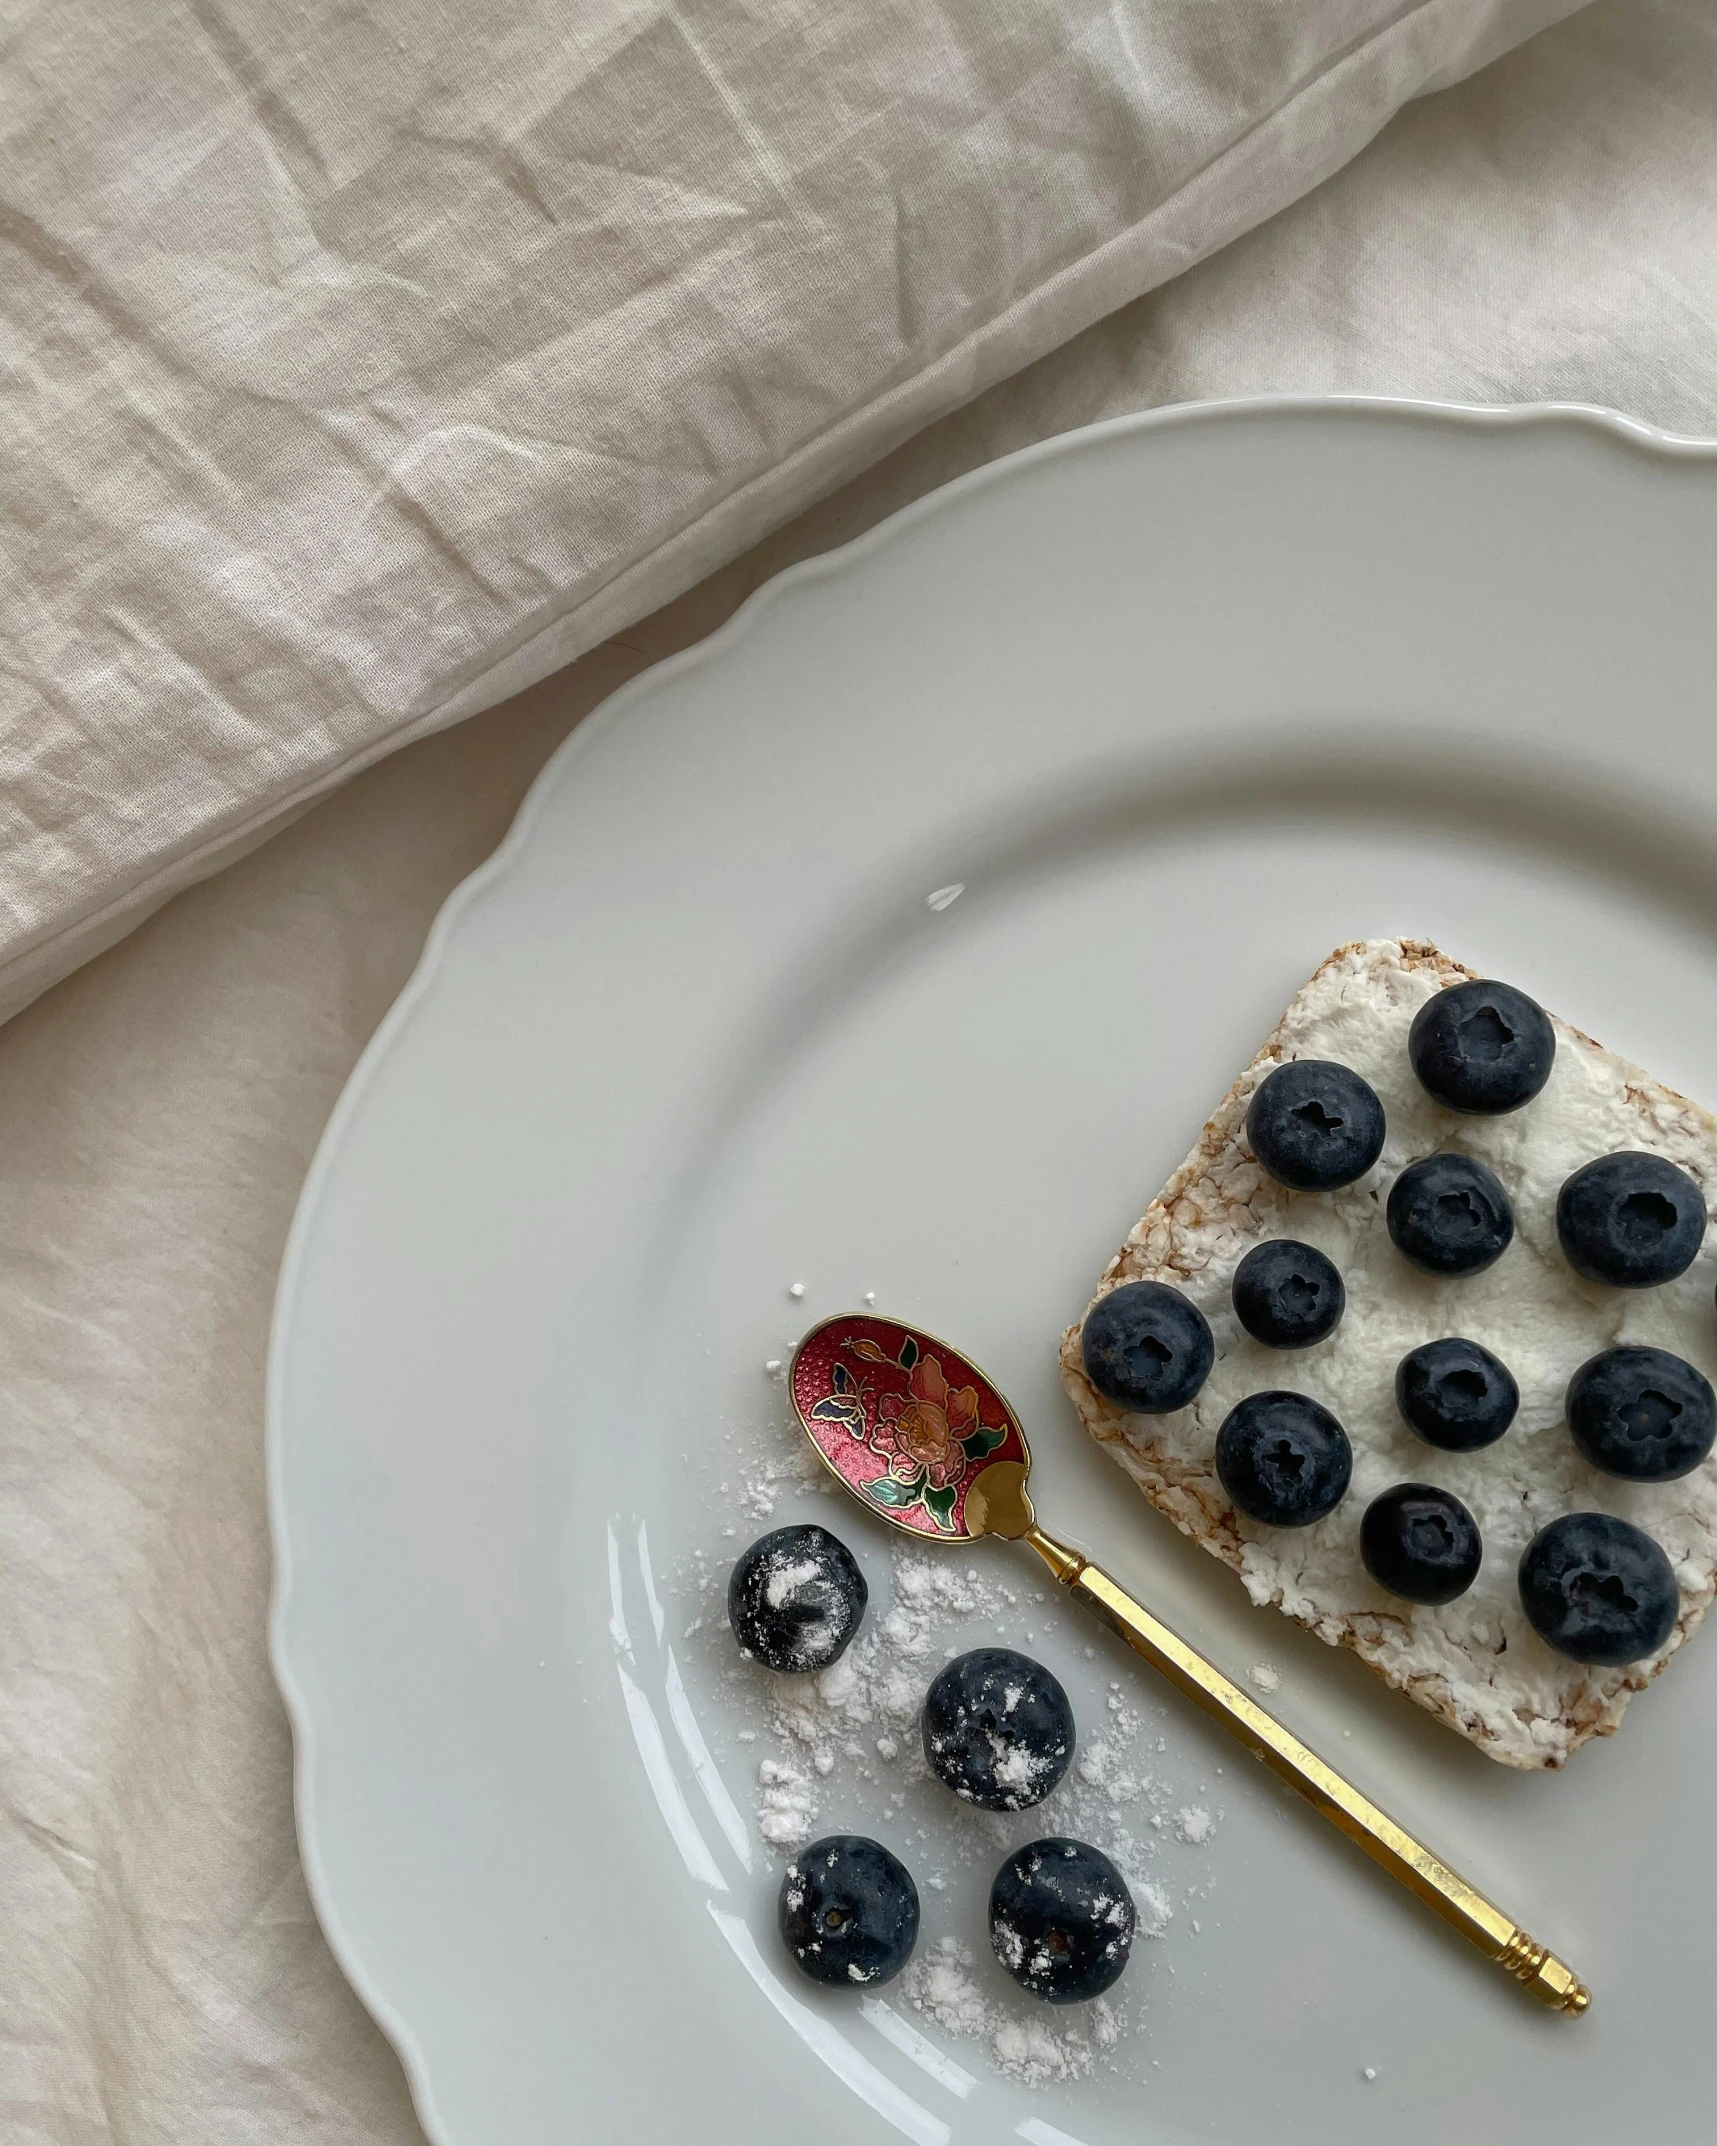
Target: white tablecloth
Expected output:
[1543,231]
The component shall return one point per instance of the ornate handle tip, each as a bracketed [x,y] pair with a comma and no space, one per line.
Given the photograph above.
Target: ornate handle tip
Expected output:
[1549,1979]
[1573,1996]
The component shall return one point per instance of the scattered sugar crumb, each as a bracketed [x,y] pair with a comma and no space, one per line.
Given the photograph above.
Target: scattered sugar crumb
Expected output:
[788,1805]
[1266,1676]
[795,1290]
[870,1296]
[1155,1914]
[774,1368]
[785,1580]
[1370,2072]
[878,1684]
[848,1737]
[941,1984]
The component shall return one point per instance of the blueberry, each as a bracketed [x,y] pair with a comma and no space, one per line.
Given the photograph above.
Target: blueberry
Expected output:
[796,1598]
[1632,1220]
[1450,1216]
[1455,1394]
[848,1911]
[1283,1459]
[1482,1047]
[1598,1590]
[1314,1125]
[1061,1920]
[1288,1294]
[1147,1348]
[998,1729]
[1421,1543]
[1642,1413]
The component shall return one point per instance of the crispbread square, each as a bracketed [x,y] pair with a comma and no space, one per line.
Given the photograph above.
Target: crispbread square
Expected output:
[1475,1663]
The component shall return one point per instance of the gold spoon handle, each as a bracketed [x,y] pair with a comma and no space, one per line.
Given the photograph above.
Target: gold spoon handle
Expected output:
[1494,1933]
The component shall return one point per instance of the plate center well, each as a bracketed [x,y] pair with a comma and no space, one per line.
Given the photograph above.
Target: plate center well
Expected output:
[962,1111]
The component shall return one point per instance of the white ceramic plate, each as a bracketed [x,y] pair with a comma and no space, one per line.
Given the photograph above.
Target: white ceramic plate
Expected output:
[1179,704]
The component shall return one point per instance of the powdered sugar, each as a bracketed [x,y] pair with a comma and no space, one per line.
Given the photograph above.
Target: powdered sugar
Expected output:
[1032,2047]
[841,1750]
[877,1688]
[786,1805]
[1195,1825]
[1154,1911]
[786,1578]
[858,1723]
[1019,1771]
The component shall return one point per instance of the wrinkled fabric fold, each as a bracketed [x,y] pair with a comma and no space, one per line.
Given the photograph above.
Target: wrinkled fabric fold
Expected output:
[360,365]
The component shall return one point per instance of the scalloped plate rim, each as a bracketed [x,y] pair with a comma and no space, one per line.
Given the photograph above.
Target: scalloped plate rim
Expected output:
[1651,442]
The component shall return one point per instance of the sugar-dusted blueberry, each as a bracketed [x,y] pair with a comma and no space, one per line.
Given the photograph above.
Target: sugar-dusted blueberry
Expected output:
[1315,1125]
[1482,1047]
[1288,1294]
[796,1598]
[848,1911]
[1455,1395]
[1283,1459]
[1642,1413]
[1147,1348]
[1420,1543]
[1061,1920]
[1598,1590]
[1632,1220]
[1450,1216]
[998,1729]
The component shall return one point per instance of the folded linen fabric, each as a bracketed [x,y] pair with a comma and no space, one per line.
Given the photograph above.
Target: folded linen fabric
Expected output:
[364,361]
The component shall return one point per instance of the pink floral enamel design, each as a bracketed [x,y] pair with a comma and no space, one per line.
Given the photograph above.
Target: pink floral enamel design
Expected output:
[904,1420]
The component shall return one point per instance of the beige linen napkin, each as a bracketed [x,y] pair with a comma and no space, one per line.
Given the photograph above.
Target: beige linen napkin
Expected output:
[362,361]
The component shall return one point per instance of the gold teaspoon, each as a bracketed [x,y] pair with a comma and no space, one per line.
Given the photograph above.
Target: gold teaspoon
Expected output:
[919,1435]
